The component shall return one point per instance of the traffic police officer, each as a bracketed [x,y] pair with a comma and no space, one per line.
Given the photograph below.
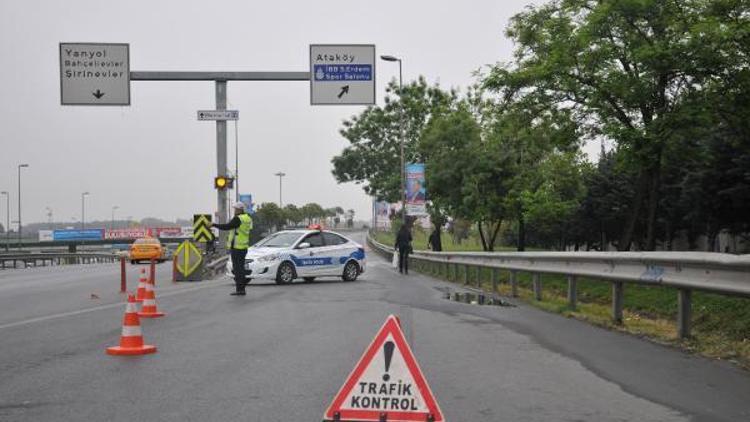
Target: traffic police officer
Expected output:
[237,243]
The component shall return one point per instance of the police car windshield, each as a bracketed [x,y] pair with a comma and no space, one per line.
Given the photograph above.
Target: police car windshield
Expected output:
[280,240]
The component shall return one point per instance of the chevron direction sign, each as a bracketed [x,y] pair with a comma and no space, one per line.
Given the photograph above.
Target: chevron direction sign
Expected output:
[202,228]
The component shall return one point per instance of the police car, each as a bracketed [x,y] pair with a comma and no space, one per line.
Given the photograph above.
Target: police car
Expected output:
[303,254]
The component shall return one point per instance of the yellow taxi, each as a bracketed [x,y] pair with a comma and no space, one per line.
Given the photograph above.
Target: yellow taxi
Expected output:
[146,249]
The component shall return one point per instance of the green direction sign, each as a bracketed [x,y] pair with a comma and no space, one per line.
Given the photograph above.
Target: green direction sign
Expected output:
[188,258]
[202,228]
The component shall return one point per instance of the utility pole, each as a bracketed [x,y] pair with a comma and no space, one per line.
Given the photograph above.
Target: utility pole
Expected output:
[280,174]
[401,132]
[20,166]
[83,210]
[49,217]
[221,155]
[236,163]
[112,223]
[7,219]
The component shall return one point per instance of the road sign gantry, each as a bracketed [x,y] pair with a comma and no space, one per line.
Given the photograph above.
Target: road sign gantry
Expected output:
[220,79]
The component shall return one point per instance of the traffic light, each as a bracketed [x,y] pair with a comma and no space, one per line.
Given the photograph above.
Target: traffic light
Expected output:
[223,182]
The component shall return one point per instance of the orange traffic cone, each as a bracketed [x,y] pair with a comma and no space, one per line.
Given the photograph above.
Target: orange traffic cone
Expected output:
[140,294]
[131,341]
[149,304]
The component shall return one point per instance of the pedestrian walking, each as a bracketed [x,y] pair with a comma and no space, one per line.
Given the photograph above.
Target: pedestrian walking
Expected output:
[403,245]
[237,242]
[434,241]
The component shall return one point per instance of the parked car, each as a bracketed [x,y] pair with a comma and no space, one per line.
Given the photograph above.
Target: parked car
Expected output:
[146,249]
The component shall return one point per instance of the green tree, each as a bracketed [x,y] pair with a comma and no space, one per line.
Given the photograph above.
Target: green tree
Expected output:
[293,214]
[549,207]
[624,67]
[605,203]
[527,133]
[270,216]
[465,175]
[373,156]
[312,212]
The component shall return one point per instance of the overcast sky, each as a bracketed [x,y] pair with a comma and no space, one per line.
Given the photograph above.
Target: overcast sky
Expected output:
[153,158]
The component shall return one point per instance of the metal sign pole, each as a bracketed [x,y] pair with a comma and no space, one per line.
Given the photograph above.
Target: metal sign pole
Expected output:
[221,156]
[236,163]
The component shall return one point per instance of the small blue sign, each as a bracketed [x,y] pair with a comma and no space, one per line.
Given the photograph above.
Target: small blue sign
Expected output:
[247,199]
[343,72]
[88,234]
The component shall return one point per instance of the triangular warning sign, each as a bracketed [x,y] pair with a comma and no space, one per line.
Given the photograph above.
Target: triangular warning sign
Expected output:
[386,384]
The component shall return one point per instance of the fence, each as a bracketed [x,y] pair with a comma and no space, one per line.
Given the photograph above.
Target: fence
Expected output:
[43,259]
[685,271]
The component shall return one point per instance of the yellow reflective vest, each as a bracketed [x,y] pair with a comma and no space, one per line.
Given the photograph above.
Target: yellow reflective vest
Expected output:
[239,238]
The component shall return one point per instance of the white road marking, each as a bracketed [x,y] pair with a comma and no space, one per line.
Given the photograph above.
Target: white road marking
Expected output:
[99,308]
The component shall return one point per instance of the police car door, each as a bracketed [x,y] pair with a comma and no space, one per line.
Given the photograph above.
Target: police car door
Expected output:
[310,262]
[337,249]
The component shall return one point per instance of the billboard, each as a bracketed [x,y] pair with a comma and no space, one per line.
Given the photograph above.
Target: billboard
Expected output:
[247,199]
[130,233]
[71,235]
[140,232]
[382,213]
[168,233]
[416,194]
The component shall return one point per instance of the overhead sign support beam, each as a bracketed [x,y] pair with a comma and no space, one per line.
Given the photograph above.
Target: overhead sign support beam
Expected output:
[219,76]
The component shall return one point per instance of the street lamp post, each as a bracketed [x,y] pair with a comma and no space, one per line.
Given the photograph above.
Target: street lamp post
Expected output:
[280,174]
[401,133]
[7,219]
[20,166]
[112,224]
[83,210]
[49,217]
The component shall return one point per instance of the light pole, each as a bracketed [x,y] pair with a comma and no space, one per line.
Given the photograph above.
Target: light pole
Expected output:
[280,174]
[49,217]
[7,219]
[112,224]
[83,210]
[401,131]
[20,166]
[236,164]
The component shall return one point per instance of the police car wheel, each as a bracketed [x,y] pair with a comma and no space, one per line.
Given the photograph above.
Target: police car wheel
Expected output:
[351,271]
[285,273]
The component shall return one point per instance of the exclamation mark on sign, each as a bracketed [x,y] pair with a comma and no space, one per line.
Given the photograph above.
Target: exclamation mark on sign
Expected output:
[388,351]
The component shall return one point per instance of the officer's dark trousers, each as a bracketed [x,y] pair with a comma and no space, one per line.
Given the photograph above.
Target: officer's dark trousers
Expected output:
[238,268]
[403,259]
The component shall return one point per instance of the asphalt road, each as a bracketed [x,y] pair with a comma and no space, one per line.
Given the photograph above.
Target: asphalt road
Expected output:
[282,352]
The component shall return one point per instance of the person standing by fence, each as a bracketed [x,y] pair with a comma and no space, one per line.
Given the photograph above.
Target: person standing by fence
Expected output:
[403,246]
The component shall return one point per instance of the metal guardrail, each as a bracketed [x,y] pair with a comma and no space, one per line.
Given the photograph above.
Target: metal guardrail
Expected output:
[685,271]
[43,259]
[216,266]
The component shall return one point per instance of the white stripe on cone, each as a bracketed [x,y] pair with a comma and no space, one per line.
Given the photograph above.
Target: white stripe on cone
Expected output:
[131,331]
[131,308]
